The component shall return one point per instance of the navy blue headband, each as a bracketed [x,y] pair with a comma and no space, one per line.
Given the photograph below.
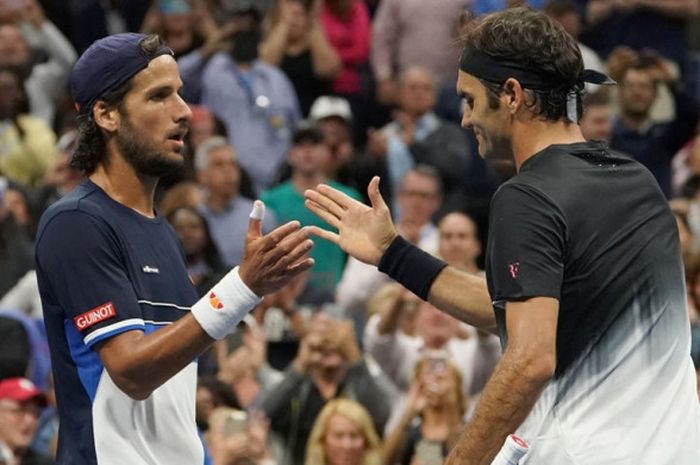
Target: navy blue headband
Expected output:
[483,66]
[108,63]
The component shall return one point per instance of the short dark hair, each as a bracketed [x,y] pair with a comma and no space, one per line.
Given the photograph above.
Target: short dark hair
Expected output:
[428,171]
[600,97]
[534,41]
[640,66]
[92,146]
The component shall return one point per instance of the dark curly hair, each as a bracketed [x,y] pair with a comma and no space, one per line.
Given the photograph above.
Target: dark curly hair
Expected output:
[92,145]
[533,40]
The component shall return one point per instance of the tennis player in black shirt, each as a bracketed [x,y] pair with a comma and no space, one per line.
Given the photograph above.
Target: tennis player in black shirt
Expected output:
[584,273]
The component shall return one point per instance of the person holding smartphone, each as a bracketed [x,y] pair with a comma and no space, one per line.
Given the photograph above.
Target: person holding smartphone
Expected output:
[432,418]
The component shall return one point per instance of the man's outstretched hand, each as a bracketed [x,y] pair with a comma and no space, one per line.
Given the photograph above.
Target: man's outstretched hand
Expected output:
[271,261]
[364,231]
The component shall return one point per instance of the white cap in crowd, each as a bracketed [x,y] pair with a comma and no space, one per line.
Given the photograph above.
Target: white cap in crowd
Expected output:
[327,106]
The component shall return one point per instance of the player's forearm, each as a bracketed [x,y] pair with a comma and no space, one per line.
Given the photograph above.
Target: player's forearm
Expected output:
[140,363]
[465,297]
[506,401]
[165,352]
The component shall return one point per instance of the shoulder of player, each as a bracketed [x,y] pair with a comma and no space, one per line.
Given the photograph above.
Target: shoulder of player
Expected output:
[74,212]
[518,196]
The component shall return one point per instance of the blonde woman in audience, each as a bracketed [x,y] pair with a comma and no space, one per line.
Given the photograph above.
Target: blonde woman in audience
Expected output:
[432,418]
[343,434]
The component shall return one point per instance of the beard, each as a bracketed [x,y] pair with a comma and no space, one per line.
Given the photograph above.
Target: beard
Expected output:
[499,155]
[143,155]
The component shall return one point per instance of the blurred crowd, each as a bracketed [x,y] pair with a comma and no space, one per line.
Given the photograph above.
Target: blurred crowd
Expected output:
[342,366]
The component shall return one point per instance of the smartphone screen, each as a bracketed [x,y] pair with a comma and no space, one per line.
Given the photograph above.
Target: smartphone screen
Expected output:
[236,422]
[429,452]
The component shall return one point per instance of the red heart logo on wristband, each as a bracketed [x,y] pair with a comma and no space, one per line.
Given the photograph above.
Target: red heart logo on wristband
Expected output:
[215,302]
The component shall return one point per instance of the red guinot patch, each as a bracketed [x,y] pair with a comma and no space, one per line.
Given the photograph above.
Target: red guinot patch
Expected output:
[96,315]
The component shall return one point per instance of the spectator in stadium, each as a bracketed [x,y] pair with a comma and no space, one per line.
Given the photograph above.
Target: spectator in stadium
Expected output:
[204,265]
[410,33]
[435,333]
[17,202]
[639,24]
[245,371]
[46,436]
[16,248]
[20,406]
[432,418]
[183,24]
[328,365]
[333,117]
[283,320]
[236,437]
[418,136]
[185,194]
[458,242]
[597,120]
[652,144]
[226,212]
[347,25]
[212,393]
[60,178]
[254,99]
[296,42]
[28,144]
[343,434]
[44,82]
[309,158]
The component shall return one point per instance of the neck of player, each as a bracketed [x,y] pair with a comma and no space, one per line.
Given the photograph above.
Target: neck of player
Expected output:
[120,181]
[531,136]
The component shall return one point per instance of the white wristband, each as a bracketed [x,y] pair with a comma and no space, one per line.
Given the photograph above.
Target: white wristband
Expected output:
[224,305]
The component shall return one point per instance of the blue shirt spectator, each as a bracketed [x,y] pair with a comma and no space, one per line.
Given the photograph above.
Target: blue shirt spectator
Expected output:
[258,106]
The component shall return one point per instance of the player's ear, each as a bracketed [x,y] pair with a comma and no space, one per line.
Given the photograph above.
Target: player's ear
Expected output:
[514,94]
[106,116]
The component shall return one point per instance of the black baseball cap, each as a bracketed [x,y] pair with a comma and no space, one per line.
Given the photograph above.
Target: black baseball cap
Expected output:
[107,64]
[307,131]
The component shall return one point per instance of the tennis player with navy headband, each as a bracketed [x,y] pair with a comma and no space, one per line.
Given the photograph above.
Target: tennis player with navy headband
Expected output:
[584,275]
[123,320]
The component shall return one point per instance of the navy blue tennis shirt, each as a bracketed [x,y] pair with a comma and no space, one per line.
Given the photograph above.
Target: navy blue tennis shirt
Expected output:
[104,269]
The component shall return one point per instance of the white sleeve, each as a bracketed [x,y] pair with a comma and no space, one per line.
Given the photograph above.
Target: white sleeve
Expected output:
[24,296]
[358,283]
[48,80]
[395,353]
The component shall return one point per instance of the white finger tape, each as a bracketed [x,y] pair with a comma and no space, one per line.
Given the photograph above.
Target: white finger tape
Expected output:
[258,212]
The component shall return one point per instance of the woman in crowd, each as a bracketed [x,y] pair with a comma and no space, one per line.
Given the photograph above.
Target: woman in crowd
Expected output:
[296,42]
[184,25]
[432,418]
[26,143]
[343,435]
[204,263]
